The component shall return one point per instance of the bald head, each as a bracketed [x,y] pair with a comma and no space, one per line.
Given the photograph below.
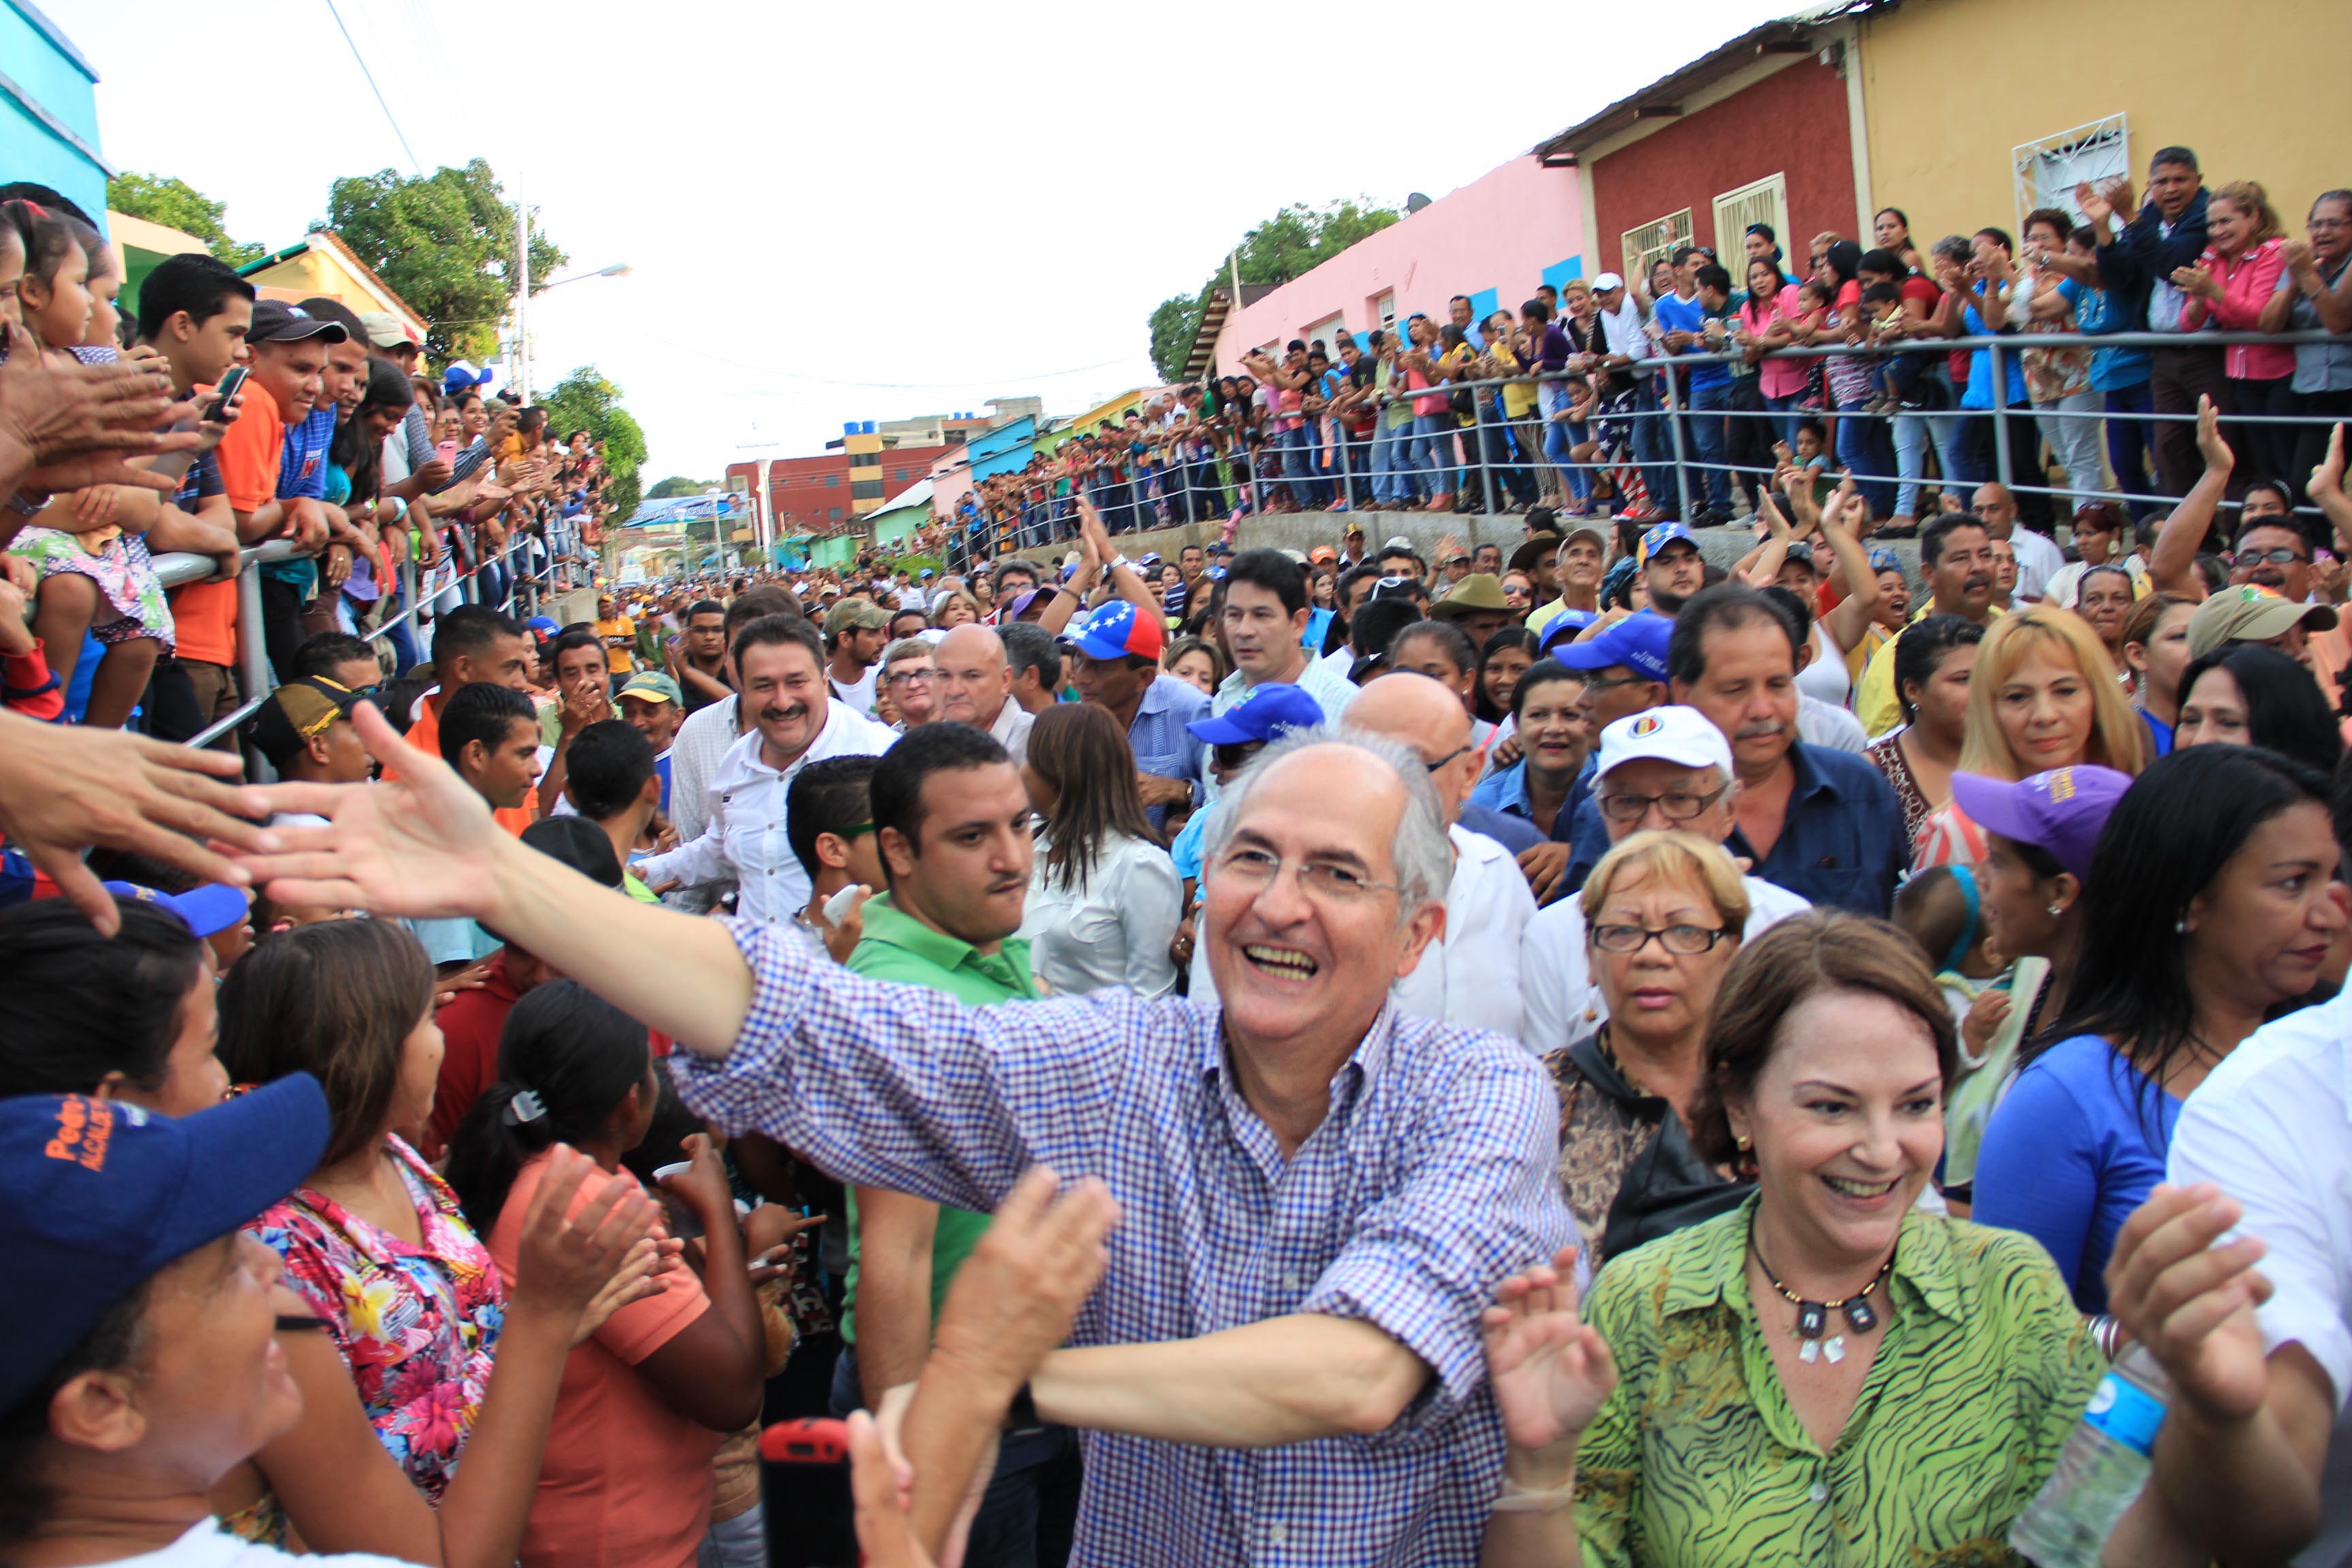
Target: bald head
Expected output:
[1426,717]
[1993,503]
[974,679]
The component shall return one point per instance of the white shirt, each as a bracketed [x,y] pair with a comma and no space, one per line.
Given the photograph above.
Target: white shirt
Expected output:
[2066,583]
[1825,676]
[859,694]
[1563,1004]
[2037,561]
[1471,977]
[695,752]
[208,1545]
[1329,687]
[2271,1127]
[1820,724]
[745,836]
[1111,932]
[1012,728]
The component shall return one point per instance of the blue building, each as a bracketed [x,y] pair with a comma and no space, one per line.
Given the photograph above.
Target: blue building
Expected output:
[48,110]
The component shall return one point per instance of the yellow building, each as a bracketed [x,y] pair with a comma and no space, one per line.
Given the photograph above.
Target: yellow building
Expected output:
[1977,110]
[321,263]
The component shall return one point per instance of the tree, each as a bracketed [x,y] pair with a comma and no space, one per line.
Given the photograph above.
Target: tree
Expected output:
[175,204]
[445,243]
[586,400]
[1290,244]
[677,485]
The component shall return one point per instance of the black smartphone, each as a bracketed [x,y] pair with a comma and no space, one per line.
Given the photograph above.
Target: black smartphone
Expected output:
[232,378]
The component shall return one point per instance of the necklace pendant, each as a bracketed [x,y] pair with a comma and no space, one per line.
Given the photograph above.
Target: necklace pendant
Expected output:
[1834,1349]
[1810,1351]
[1860,1317]
[1813,1320]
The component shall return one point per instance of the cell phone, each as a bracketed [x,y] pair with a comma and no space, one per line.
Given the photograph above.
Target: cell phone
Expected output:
[813,1441]
[446,451]
[231,379]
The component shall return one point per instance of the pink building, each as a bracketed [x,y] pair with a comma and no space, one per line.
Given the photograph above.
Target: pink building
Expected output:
[1494,239]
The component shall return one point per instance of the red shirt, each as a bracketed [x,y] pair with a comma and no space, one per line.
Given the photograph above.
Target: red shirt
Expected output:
[470,1024]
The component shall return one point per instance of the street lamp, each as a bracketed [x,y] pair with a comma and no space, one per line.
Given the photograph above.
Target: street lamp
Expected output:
[523,299]
[618,269]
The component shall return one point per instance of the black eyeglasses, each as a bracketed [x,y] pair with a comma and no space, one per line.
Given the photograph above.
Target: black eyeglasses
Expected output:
[1457,752]
[1683,942]
[2278,557]
[1677,806]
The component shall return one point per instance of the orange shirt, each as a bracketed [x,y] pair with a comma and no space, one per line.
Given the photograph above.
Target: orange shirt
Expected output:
[627,1482]
[425,736]
[205,613]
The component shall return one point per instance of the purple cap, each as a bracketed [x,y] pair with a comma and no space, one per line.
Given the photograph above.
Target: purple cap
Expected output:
[2059,813]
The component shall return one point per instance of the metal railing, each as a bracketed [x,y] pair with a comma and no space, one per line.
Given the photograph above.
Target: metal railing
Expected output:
[1650,432]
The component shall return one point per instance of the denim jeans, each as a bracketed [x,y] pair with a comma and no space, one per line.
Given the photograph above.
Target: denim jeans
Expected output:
[737,1543]
[1711,480]
[1387,471]
[1561,438]
[2128,441]
[1864,448]
[1786,417]
[1298,466]
[1910,461]
[1433,451]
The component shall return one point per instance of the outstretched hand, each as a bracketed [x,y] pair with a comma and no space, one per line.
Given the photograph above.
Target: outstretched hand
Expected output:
[1552,1372]
[2218,457]
[2191,1299]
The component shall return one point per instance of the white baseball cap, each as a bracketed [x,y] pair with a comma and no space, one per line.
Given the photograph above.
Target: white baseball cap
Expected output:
[1606,281]
[1683,736]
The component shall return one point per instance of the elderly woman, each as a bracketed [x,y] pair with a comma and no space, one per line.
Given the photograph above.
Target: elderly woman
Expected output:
[1828,1372]
[1663,916]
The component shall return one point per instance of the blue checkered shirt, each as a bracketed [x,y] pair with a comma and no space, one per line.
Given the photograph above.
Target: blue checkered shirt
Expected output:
[1430,1178]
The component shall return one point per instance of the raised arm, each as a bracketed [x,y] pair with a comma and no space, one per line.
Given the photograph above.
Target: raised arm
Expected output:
[2172,565]
[1849,622]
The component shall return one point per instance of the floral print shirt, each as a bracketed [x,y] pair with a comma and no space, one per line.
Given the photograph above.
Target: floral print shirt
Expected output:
[415,1325]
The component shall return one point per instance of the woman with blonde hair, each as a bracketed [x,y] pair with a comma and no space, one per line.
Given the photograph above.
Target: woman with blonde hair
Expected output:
[952,607]
[2042,695]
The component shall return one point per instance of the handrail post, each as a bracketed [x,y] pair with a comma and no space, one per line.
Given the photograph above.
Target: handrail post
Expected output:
[1673,415]
[1999,416]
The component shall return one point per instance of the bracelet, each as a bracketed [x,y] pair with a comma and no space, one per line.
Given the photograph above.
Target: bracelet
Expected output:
[1516,1498]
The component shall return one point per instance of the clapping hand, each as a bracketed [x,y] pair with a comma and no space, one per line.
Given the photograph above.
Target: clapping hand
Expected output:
[1551,1371]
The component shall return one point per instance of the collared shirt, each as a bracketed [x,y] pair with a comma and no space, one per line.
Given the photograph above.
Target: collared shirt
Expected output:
[695,752]
[1111,928]
[745,836]
[1011,730]
[1841,843]
[2037,561]
[1429,1181]
[1562,1002]
[899,947]
[1470,975]
[1505,790]
[2271,1127]
[1330,689]
[1699,1458]
[1164,747]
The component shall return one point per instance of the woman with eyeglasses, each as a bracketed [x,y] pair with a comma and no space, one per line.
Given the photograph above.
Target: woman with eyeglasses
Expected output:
[1663,911]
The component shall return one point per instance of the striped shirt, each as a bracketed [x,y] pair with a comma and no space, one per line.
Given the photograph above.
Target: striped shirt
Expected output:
[1429,1181]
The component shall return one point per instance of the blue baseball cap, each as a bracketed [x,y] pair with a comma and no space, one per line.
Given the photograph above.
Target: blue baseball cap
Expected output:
[1638,642]
[1660,536]
[97,1195]
[215,906]
[1116,631]
[1266,711]
[1563,627]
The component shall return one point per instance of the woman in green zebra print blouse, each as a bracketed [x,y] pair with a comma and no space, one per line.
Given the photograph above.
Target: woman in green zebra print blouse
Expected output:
[1828,1373]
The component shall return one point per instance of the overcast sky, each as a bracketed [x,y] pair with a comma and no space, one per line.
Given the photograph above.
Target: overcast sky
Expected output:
[842,212]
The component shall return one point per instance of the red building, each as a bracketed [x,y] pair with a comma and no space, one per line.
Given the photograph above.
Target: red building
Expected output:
[812,495]
[1760,130]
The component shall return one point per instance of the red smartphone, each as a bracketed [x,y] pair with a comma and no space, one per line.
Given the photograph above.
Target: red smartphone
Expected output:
[813,1441]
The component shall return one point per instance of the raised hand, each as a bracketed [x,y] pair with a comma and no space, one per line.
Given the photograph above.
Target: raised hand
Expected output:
[2328,478]
[2218,457]
[566,1259]
[1014,1296]
[1552,1371]
[2191,1301]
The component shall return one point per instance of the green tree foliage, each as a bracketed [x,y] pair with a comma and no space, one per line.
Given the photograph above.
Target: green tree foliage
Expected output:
[1288,245]
[586,400]
[677,485]
[175,204]
[445,243]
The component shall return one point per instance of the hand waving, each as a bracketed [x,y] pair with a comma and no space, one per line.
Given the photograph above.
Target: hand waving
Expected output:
[1552,1372]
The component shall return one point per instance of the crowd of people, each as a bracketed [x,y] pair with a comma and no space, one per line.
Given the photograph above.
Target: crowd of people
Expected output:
[1636,1047]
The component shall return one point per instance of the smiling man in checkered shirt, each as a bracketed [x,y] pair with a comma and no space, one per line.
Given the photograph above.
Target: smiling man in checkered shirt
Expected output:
[1319,1195]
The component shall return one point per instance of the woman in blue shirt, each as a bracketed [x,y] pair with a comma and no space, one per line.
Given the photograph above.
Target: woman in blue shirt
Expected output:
[2208,904]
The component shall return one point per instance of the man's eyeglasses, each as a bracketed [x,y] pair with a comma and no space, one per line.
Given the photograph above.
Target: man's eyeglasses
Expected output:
[2279,557]
[1683,942]
[1606,683]
[854,829]
[912,677]
[1676,806]
[1322,880]
[1457,752]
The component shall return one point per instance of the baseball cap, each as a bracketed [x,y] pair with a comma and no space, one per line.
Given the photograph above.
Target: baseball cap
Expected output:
[384,331]
[1399,542]
[2059,812]
[207,910]
[1021,602]
[1563,627]
[295,714]
[1218,547]
[654,685]
[1606,281]
[101,1194]
[463,377]
[1322,555]
[276,321]
[542,628]
[862,614]
[1586,531]
[1353,531]
[1683,736]
[1266,712]
[1664,534]
[1638,642]
[1118,631]
[2248,612]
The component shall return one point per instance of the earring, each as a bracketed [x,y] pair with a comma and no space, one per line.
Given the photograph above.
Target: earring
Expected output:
[2181,926]
[1744,1143]
[2055,912]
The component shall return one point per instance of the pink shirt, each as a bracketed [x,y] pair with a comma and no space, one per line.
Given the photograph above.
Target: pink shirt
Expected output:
[1781,376]
[2247,285]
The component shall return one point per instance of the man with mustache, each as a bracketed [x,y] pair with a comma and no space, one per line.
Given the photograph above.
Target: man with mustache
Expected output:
[1823,824]
[1956,559]
[779,669]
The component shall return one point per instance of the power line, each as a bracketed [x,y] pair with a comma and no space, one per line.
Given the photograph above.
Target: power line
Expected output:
[396,131]
[883,385]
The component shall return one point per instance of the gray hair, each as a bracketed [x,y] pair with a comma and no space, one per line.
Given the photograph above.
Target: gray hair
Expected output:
[1423,851]
[906,648]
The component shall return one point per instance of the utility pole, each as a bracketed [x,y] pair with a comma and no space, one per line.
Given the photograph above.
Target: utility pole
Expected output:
[522,298]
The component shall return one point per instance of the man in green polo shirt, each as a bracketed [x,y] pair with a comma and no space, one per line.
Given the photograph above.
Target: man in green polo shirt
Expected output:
[951,821]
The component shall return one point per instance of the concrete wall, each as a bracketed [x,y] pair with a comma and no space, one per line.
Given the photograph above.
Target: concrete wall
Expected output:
[1504,233]
[59,85]
[1951,89]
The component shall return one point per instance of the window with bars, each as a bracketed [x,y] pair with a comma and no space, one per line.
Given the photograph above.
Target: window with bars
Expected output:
[1762,201]
[1653,241]
[2047,170]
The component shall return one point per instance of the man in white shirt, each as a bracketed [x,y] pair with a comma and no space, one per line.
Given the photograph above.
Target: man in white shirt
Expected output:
[1668,767]
[779,668]
[707,734]
[2254,1458]
[975,683]
[856,632]
[2038,559]
[1470,974]
[1265,615]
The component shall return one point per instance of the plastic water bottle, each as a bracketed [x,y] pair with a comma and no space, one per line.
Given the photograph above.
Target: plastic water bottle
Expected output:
[2100,1470]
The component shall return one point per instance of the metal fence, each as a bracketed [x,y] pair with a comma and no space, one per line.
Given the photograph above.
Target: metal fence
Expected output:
[1669,445]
